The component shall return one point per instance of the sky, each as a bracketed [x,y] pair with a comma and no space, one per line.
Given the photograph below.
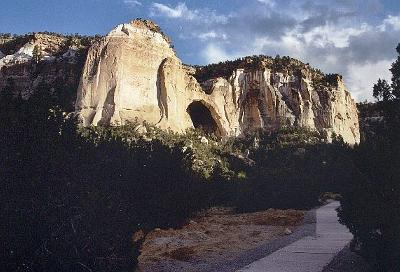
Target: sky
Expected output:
[355,38]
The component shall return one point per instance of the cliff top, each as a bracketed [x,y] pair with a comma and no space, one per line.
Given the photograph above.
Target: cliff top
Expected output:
[148,24]
[144,23]
[285,65]
[10,44]
[54,42]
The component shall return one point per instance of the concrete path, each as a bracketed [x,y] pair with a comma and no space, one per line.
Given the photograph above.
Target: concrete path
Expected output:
[311,253]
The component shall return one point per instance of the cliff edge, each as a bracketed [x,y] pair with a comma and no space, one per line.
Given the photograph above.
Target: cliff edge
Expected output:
[133,74]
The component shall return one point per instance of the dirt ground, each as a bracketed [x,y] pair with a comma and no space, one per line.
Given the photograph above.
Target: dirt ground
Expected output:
[213,236]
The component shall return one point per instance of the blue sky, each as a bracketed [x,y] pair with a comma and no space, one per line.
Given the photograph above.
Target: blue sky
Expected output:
[356,38]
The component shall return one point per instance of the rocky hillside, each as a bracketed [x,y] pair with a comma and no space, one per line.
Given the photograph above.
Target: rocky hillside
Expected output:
[272,92]
[57,67]
[278,64]
[133,74]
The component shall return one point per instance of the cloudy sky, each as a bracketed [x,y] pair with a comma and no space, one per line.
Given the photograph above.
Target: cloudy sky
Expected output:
[356,38]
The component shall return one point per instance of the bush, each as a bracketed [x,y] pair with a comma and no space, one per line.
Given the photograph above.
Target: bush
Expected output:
[370,207]
[70,203]
[292,168]
[73,200]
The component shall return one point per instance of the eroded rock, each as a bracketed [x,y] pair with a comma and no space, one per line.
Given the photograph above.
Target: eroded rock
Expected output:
[58,71]
[133,74]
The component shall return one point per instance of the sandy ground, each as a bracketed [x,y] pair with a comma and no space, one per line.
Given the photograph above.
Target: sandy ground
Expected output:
[213,236]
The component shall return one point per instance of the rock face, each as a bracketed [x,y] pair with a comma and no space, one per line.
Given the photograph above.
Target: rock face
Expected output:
[268,100]
[133,74]
[59,69]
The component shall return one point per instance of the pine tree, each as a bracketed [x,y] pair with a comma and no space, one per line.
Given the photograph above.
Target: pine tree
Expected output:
[396,75]
[385,92]
[382,90]
[37,53]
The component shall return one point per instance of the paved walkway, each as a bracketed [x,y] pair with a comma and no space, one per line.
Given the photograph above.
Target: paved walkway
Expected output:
[311,253]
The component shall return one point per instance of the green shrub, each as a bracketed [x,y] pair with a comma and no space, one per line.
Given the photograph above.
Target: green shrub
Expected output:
[73,203]
[370,207]
[292,168]
[72,200]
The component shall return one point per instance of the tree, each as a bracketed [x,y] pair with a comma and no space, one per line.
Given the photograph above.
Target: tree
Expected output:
[390,96]
[382,90]
[37,53]
[370,206]
[385,92]
[396,75]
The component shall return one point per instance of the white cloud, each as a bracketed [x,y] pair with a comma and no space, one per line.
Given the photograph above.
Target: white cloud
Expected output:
[362,77]
[180,11]
[331,60]
[183,12]
[214,53]
[269,3]
[132,3]
[391,22]
[330,34]
[205,36]
[288,44]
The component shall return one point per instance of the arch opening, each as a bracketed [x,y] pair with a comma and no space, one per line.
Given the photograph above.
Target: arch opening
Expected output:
[202,118]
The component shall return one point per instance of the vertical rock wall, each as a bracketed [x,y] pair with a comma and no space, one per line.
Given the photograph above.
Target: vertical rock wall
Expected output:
[133,74]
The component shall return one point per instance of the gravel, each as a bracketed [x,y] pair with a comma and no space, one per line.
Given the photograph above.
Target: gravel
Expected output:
[308,228]
[233,262]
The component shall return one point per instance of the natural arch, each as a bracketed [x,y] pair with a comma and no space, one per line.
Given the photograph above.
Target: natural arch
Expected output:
[202,118]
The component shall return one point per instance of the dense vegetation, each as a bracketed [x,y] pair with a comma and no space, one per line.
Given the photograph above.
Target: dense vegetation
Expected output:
[293,168]
[70,203]
[79,200]
[371,202]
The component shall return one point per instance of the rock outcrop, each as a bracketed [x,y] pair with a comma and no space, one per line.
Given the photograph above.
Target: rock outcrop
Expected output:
[133,74]
[59,68]
[265,99]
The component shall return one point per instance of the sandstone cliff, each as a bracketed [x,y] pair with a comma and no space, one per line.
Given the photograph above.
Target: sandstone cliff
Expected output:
[274,92]
[58,70]
[134,74]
